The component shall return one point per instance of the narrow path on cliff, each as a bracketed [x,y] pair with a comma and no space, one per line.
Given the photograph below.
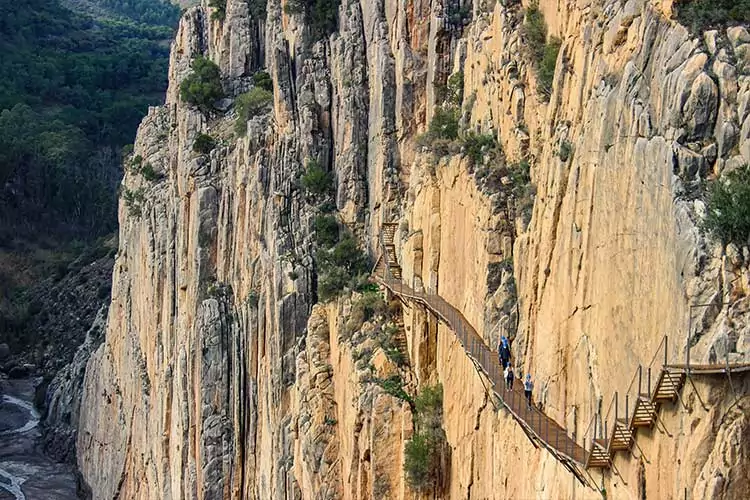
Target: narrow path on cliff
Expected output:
[540,428]
[608,433]
[25,472]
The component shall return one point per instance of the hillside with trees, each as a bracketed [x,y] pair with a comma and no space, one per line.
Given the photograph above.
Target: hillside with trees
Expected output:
[75,81]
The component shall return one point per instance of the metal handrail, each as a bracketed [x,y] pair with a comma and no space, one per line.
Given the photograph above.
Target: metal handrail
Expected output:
[584,438]
[658,349]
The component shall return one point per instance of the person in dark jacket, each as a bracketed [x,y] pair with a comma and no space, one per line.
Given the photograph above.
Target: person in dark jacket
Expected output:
[509,376]
[504,352]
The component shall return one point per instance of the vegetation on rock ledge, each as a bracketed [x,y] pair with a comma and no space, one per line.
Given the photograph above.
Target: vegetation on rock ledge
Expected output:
[322,16]
[202,87]
[702,15]
[427,454]
[728,207]
[254,102]
[543,53]
[204,144]
[341,264]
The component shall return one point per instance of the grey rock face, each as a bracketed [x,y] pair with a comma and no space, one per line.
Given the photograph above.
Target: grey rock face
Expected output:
[63,398]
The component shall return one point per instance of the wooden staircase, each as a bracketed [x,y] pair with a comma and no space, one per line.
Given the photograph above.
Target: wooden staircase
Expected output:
[617,431]
[391,260]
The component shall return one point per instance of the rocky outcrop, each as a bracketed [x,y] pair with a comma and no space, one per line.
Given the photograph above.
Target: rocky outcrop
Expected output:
[219,379]
[57,311]
[63,399]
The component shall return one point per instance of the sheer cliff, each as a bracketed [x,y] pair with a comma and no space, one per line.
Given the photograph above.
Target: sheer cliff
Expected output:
[220,376]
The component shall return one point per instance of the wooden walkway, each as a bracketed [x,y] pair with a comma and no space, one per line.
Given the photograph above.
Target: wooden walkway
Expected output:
[607,434]
[712,369]
[542,430]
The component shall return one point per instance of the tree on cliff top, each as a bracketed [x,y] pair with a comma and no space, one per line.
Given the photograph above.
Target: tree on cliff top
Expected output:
[322,16]
[702,15]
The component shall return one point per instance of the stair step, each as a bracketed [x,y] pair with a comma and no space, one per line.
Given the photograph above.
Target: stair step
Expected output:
[601,442]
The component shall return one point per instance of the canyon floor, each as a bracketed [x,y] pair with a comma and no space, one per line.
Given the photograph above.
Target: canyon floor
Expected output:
[26,473]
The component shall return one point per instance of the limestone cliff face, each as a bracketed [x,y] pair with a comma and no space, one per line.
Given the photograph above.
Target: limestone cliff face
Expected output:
[219,379]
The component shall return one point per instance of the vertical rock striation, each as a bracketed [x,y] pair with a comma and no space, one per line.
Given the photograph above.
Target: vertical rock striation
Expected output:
[219,379]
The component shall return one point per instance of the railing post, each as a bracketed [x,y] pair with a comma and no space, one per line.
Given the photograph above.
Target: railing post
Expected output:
[627,411]
[606,434]
[596,424]
[666,339]
[640,379]
[649,383]
[616,410]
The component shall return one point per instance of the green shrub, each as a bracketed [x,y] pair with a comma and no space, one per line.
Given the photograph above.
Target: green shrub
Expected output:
[566,150]
[520,173]
[204,144]
[455,89]
[543,53]
[322,16]
[316,180]
[347,255]
[341,267]
[148,173]
[430,400]
[417,464]
[202,87]
[387,340]
[546,67]
[444,124]
[133,200]
[220,9]
[426,454]
[326,231]
[728,207]
[292,7]
[253,297]
[534,31]
[394,386]
[702,15]
[136,162]
[332,281]
[371,303]
[458,13]
[258,9]
[263,80]
[251,104]
[477,146]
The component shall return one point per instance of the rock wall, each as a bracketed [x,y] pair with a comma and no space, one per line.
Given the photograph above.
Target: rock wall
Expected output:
[219,379]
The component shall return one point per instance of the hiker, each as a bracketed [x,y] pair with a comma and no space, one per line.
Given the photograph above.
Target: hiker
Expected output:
[528,386]
[504,351]
[509,375]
